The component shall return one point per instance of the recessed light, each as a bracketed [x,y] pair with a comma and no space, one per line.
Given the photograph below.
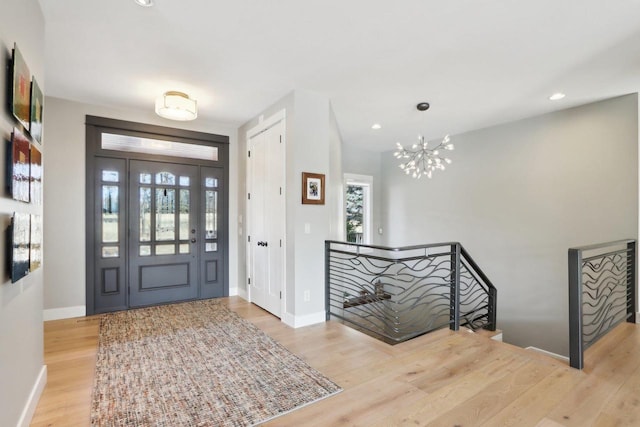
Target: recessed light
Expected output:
[144,3]
[376,126]
[557,96]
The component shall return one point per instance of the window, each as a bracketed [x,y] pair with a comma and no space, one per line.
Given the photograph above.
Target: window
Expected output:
[358,190]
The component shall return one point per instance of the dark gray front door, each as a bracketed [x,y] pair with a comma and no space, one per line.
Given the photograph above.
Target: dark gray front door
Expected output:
[163,241]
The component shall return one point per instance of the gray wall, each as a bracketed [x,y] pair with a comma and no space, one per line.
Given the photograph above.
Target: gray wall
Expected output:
[362,162]
[65,281]
[21,347]
[517,196]
[313,144]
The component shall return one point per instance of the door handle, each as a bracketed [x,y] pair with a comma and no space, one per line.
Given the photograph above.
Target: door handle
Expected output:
[263,244]
[193,240]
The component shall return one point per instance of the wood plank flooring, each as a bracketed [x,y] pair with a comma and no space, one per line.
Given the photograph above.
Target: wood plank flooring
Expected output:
[440,379]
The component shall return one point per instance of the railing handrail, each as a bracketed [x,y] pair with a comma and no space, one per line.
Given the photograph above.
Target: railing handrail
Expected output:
[475,266]
[393,249]
[602,245]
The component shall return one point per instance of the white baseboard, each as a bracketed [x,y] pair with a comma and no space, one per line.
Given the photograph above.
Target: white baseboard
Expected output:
[34,397]
[243,294]
[233,292]
[306,320]
[497,337]
[64,312]
[548,353]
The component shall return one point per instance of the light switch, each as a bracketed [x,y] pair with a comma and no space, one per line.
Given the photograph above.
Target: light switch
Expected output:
[307,228]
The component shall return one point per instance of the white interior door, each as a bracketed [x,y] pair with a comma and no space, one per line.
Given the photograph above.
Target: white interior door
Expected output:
[266,217]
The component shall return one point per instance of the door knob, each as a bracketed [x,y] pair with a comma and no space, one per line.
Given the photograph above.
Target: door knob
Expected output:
[193,240]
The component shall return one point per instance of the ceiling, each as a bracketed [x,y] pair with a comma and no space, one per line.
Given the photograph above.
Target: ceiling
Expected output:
[478,62]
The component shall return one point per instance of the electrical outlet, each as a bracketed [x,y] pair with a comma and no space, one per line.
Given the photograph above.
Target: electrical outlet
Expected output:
[307,296]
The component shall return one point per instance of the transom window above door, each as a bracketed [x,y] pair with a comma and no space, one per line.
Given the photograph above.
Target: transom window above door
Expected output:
[136,144]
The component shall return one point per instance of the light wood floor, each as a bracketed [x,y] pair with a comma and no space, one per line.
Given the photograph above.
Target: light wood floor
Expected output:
[441,379]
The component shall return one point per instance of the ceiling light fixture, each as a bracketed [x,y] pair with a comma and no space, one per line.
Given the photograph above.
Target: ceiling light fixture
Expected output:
[420,159]
[144,3]
[376,126]
[175,105]
[557,96]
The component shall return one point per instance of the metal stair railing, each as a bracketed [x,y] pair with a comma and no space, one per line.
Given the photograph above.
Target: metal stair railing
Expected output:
[400,293]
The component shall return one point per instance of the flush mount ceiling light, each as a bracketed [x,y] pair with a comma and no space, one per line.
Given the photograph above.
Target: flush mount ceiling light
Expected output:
[557,96]
[176,106]
[420,159]
[376,126]
[144,3]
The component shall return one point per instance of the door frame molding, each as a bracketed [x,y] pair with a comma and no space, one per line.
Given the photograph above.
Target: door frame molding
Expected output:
[94,127]
[262,126]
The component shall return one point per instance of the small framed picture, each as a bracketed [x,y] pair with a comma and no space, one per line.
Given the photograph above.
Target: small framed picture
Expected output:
[312,188]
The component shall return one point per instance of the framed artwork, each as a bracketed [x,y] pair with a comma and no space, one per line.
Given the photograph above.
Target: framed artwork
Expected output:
[35,243]
[19,236]
[312,188]
[35,176]
[20,164]
[37,102]
[21,92]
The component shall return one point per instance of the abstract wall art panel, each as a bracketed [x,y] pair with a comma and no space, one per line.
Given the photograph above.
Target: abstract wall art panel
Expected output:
[20,235]
[35,185]
[35,243]
[20,165]
[37,107]
[21,93]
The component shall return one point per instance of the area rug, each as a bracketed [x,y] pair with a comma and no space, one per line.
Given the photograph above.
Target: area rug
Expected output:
[196,364]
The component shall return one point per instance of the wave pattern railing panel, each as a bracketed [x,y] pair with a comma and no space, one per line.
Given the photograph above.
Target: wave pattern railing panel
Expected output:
[399,293]
[602,293]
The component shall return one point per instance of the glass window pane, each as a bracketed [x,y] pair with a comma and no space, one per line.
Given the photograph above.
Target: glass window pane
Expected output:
[145,250]
[110,252]
[165,249]
[145,214]
[109,213]
[184,248]
[184,181]
[165,214]
[145,178]
[355,213]
[110,176]
[160,147]
[211,214]
[184,214]
[165,178]
[211,247]
[210,182]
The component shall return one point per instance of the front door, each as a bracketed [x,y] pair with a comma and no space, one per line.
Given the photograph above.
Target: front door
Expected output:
[163,244]
[157,215]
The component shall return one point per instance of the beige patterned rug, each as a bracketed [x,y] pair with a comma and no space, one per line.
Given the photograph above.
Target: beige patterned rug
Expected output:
[196,364]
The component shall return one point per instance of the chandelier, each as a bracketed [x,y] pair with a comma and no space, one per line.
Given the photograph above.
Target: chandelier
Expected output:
[420,159]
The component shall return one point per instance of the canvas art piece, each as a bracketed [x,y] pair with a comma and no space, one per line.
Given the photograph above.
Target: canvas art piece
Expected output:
[312,188]
[35,243]
[37,101]
[19,167]
[19,235]
[21,92]
[35,184]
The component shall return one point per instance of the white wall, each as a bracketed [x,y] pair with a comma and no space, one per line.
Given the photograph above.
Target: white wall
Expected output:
[65,280]
[517,196]
[313,145]
[22,368]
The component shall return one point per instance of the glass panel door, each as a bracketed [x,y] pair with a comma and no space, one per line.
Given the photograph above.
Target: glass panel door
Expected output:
[163,227]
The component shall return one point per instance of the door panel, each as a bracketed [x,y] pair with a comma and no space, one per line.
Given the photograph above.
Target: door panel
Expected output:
[163,233]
